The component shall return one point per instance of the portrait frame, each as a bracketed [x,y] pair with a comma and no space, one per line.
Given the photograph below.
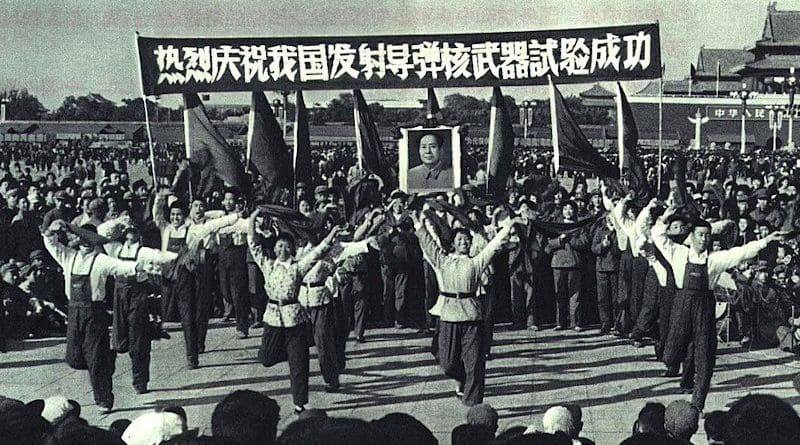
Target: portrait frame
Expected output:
[409,157]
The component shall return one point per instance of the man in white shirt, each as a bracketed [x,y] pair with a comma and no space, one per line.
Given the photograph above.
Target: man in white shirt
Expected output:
[696,273]
[85,274]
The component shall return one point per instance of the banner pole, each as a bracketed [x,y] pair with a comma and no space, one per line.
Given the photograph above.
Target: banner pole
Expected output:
[146,114]
[660,126]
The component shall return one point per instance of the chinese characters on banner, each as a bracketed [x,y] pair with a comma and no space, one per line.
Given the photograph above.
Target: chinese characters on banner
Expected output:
[520,58]
[753,112]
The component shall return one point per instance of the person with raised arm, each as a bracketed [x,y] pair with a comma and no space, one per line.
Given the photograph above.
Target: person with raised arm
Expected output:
[696,272]
[85,274]
[285,335]
[131,317]
[461,353]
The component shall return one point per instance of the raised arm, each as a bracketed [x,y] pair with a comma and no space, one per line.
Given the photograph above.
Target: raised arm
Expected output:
[430,249]
[305,263]
[158,211]
[726,259]
[485,257]
[658,234]
[58,251]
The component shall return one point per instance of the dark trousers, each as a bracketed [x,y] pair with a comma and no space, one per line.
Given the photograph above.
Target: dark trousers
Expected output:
[354,302]
[431,293]
[522,303]
[169,304]
[129,330]
[194,304]
[258,296]
[639,269]
[606,291]
[665,297]
[622,312]
[693,324]
[88,348]
[568,294]
[288,344]
[462,358]
[323,333]
[232,268]
[487,306]
[648,314]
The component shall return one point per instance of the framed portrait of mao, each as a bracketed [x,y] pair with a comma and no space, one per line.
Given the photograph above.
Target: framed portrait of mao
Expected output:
[430,159]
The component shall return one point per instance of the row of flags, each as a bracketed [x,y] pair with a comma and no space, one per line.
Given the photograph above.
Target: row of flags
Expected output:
[268,154]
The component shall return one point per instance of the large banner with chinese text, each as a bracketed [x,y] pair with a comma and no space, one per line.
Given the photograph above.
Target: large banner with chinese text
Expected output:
[178,65]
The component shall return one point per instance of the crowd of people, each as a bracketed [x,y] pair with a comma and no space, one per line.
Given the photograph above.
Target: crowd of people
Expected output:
[709,254]
[247,417]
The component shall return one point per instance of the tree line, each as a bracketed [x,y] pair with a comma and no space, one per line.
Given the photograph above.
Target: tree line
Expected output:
[465,109]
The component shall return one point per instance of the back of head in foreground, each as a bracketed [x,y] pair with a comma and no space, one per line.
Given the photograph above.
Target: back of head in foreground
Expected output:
[247,417]
[761,418]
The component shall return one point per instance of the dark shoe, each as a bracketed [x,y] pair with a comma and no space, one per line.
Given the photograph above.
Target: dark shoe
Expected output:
[671,372]
[533,328]
[201,349]
[140,389]
[227,319]
[242,335]
[360,339]
[637,344]
[162,334]
[686,389]
[332,388]
[616,333]
[192,364]
[299,409]
[399,325]
[105,407]
[460,391]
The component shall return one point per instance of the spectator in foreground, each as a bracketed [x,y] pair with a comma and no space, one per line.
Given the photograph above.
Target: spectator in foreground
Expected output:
[680,421]
[761,418]
[247,417]
[649,427]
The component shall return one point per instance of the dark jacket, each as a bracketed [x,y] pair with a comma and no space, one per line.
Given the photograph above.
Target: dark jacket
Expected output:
[607,256]
[566,252]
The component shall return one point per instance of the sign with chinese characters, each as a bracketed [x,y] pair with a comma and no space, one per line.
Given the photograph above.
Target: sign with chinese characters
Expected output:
[177,65]
[752,113]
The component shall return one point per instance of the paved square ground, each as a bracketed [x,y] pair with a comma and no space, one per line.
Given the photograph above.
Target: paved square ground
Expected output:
[394,371]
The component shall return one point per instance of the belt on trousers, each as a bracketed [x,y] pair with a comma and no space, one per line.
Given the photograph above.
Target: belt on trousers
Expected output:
[282,303]
[459,295]
[313,285]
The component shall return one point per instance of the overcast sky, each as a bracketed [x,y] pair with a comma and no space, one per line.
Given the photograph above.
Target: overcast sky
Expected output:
[58,48]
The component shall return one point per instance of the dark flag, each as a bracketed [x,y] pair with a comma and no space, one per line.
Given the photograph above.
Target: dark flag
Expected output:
[571,149]
[682,198]
[266,148]
[302,142]
[207,149]
[500,156]
[369,143]
[552,229]
[433,113]
[290,221]
[628,139]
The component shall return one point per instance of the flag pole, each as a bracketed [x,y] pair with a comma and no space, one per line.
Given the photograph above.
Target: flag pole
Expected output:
[620,130]
[554,126]
[660,125]
[146,114]
[718,74]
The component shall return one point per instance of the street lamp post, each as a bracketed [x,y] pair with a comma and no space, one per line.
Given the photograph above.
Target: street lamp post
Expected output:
[790,86]
[528,106]
[743,95]
[775,123]
[277,107]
